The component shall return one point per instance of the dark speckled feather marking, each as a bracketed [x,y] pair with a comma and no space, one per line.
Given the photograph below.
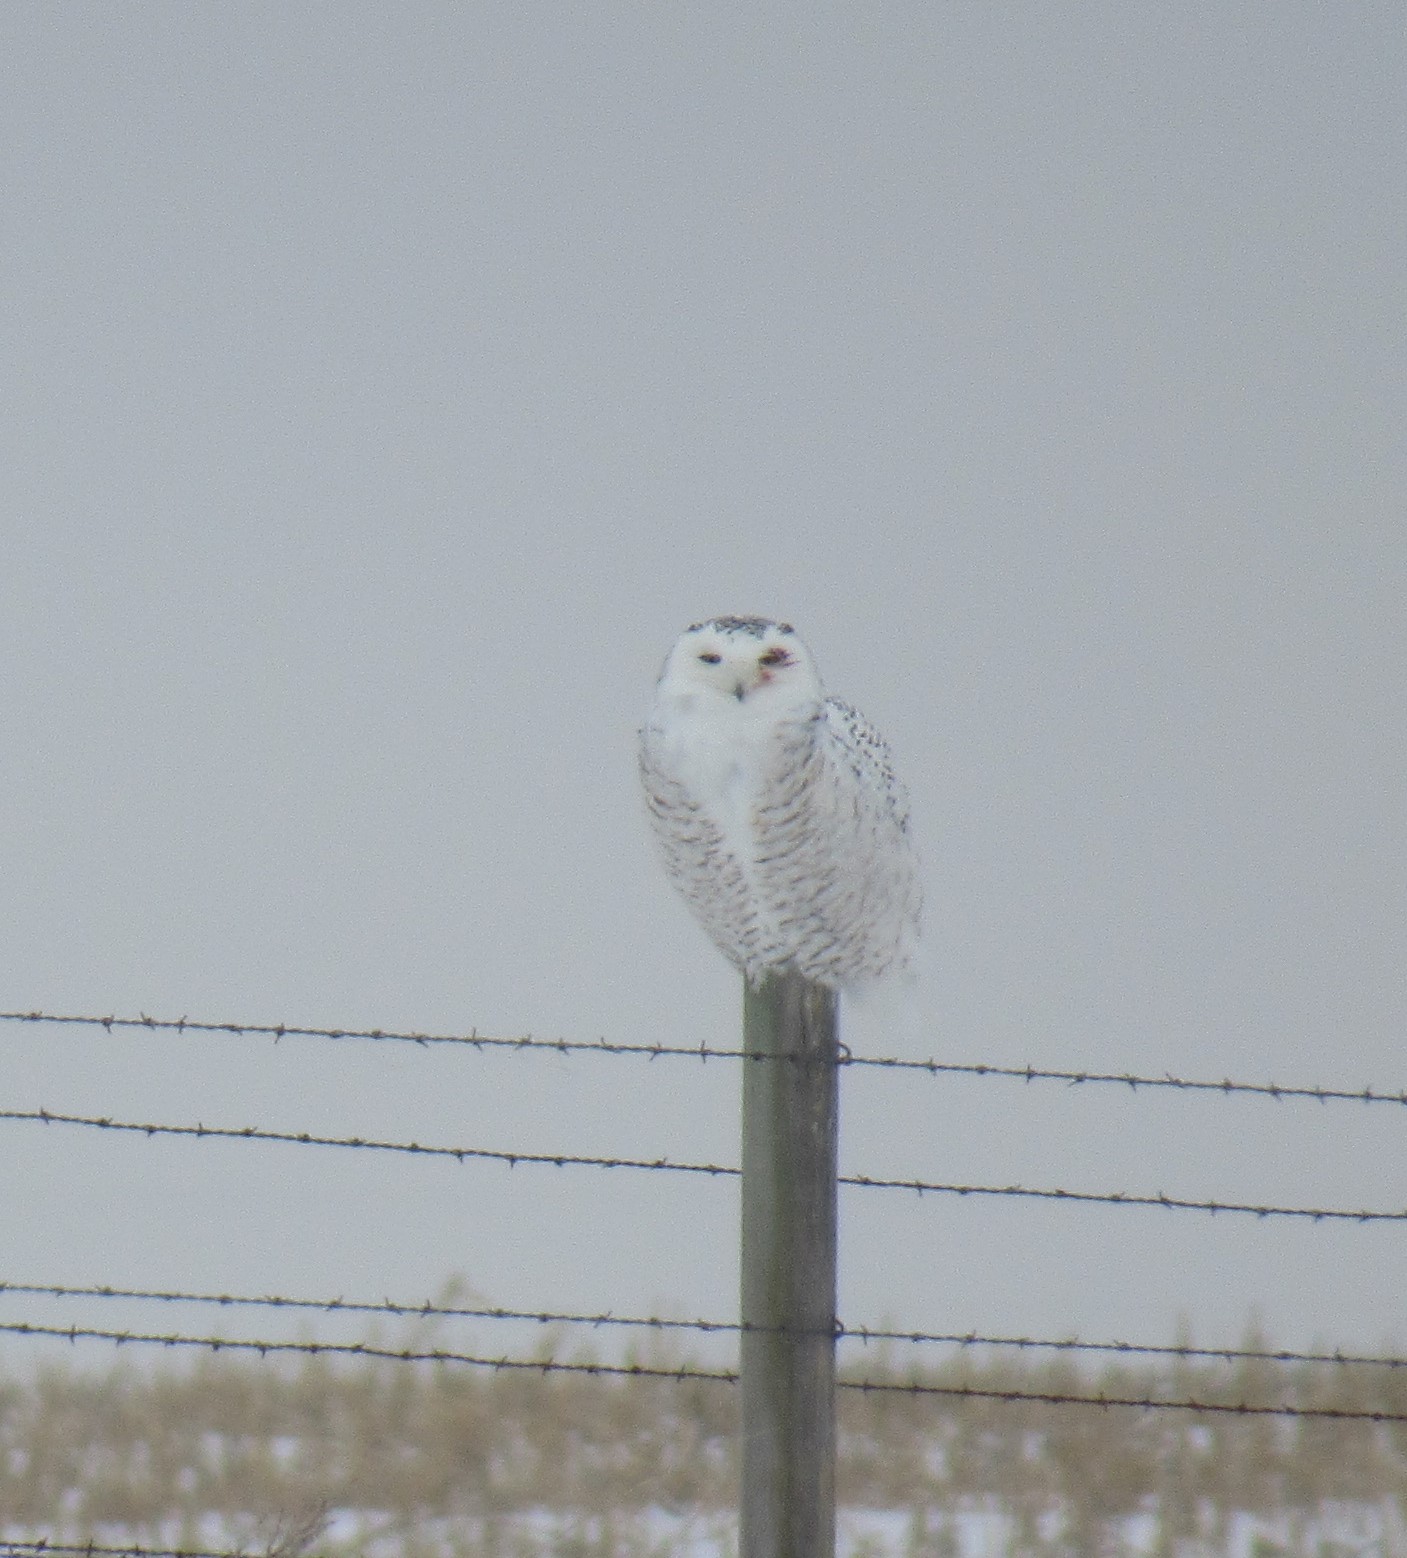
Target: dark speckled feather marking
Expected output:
[755,627]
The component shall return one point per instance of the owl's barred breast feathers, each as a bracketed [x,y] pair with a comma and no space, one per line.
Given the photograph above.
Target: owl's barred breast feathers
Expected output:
[776,809]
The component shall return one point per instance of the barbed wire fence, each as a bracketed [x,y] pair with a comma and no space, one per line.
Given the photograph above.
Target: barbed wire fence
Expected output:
[462,1153]
[514,1159]
[1128,1084]
[688,1373]
[526,1042]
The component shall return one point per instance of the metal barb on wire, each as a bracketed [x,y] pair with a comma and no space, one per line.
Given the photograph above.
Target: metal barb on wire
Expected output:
[919,1187]
[684,1374]
[865,1335]
[1130,1081]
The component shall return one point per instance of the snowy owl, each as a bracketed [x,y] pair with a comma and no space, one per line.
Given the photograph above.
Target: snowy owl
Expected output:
[777,810]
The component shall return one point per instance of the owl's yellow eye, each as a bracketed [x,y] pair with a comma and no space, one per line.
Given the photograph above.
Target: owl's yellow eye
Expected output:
[775,656]
[709,658]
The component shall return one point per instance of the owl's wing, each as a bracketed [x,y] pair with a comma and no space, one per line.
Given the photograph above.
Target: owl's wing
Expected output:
[874,837]
[865,752]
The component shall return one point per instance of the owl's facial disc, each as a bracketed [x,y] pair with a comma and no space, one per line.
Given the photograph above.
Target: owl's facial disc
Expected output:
[746,668]
[736,658]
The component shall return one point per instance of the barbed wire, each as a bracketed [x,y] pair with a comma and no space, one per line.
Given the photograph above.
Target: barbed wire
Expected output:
[681,1373]
[9,1545]
[559,1160]
[256,1133]
[1070,1077]
[605,1320]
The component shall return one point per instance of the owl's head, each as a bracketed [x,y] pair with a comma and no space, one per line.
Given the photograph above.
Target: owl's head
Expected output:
[747,661]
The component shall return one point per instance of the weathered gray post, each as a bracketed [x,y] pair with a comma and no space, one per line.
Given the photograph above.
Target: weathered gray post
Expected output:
[790,1131]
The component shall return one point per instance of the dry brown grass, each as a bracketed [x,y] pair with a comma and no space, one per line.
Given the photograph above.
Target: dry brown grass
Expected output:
[159,1451]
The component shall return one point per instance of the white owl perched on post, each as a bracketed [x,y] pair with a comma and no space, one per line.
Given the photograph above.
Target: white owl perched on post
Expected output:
[777,810]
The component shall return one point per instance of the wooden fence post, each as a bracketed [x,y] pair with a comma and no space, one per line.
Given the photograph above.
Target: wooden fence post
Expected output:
[790,1131]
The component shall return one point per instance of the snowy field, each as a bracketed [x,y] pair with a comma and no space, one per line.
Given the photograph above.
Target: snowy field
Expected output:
[1334,1530]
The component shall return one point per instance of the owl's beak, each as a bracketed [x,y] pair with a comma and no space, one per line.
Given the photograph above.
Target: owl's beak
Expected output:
[751,682]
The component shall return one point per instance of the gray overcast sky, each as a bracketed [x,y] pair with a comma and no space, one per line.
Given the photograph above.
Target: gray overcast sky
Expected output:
[386,386]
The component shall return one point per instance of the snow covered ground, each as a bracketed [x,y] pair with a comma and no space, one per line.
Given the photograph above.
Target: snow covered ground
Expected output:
[1332,1531]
